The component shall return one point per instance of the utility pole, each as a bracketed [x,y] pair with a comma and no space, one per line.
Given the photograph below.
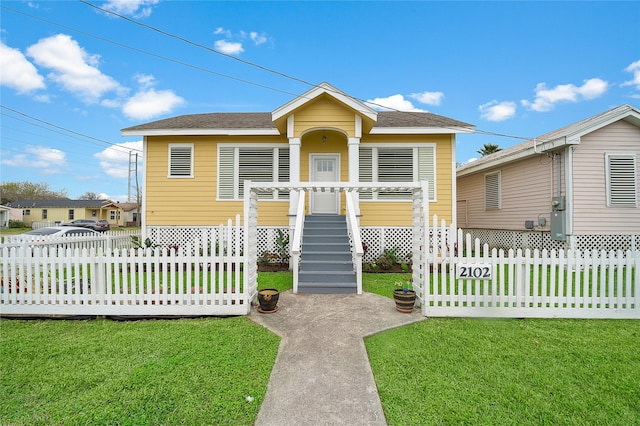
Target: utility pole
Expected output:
[132,169]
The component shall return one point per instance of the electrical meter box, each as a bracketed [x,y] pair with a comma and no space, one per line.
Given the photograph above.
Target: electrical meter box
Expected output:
[558,203]
[558,226]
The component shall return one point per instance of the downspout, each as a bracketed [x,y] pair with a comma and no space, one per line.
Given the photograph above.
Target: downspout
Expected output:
[568,189]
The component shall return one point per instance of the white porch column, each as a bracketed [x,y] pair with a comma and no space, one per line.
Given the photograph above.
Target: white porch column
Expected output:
[294,176]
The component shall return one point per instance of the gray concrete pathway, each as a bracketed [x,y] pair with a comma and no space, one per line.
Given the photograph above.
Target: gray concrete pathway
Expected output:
[322,374]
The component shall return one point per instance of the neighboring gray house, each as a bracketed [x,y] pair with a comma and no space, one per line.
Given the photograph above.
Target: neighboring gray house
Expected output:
[575,187]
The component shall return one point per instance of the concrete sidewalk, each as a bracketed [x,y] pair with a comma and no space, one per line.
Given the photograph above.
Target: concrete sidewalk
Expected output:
[322,374]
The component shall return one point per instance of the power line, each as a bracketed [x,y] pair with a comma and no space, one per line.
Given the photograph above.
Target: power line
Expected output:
[217,52]
[434,117]
[145,52]
[114,145]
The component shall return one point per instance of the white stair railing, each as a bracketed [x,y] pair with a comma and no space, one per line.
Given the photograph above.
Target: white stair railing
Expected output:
[357,251]
[296,244]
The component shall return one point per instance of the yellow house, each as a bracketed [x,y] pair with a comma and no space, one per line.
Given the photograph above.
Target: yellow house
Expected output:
[50,212]
[195,165]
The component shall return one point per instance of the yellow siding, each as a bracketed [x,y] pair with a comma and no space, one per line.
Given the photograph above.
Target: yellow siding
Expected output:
[376,213]
[184,202]
[324,113]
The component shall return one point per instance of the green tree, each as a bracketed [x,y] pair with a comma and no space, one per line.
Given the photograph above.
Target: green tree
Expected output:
[15,191]
[488,148]
[90,196]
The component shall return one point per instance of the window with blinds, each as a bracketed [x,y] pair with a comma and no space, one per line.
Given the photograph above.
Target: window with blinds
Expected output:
[237,164]
[181,160]
[622,180]
[397,164]
[492,191]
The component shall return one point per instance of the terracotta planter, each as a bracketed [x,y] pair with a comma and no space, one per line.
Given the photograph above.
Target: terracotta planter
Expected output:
[268,299]
[405,301]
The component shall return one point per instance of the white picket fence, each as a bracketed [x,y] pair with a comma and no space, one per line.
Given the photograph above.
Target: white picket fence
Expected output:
[203,278]
[470,280]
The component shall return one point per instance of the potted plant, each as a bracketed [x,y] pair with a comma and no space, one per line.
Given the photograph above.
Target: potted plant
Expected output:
[268,300]
[405,297]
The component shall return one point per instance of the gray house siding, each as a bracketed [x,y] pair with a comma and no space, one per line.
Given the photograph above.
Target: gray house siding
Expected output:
[591,214]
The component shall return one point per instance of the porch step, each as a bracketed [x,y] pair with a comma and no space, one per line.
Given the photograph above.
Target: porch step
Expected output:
[326,265]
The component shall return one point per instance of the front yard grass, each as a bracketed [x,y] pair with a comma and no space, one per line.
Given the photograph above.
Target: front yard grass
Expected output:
[509,372]
[438,371]
[188,371]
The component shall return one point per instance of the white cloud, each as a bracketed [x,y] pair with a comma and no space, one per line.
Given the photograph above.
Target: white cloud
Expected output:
[394,102]
[497,111]
[135,8]
[258,39]
[229,47]
[46,160]
[17,72]
[150,103]
[634,68]
[114,160]
[428,98]
[72,67]
[220,30]
[546,99]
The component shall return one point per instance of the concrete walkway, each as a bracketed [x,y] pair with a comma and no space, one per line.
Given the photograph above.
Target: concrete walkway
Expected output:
[322,374]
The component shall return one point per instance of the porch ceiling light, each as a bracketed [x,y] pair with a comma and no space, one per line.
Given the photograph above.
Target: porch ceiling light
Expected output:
[324,138]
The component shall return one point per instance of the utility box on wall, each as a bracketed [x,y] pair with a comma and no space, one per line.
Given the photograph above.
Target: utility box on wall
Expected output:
[558,226]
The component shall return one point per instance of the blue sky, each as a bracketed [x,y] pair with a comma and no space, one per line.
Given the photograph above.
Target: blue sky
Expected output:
[72,76]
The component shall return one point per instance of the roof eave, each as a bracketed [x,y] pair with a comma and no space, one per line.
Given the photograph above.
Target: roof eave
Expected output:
[420,130]
[202,132]
[536,149]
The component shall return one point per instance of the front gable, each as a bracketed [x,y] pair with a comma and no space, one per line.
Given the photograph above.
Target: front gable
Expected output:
[330,102]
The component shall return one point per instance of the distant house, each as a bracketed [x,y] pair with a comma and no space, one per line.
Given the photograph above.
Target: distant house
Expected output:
[195,165]
[4,216]
[58,211]
[577,186]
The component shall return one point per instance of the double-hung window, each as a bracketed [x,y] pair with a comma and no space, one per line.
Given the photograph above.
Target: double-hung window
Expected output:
[180,160]
[257,163]
[622,180]
[397,163]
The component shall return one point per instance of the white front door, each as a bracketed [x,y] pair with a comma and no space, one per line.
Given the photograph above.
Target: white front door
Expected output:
[324,168]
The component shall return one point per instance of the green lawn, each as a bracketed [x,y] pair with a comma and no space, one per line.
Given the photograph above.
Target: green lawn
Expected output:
[191,371]
[509,372]
[201,371]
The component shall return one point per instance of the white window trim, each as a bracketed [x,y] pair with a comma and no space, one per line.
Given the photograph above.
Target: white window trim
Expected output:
[416,172]
[181,145]
[607,167]
[499,190]
[236,169]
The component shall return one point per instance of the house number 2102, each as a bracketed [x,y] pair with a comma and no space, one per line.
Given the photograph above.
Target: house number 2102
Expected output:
[476,271]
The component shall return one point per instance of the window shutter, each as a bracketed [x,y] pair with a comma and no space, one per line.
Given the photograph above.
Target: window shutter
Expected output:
[366,170]
[180,160]
[255,164]
[622,180]
[226,177]
[427,168]
[283,170]
[492,191]
[395,165]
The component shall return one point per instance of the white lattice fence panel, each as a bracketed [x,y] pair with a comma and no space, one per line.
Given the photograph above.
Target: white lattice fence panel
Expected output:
[183,236]
[608,242]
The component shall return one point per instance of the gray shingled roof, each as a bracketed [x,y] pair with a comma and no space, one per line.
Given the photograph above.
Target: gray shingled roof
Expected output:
[416,119]
[262,120]
[36,204]
[219,120]
[566,131]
